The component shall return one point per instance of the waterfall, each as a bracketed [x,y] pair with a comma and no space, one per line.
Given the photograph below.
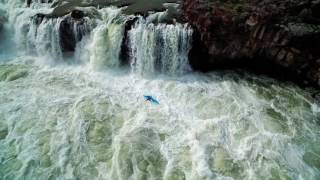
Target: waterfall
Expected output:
[106,39]
[153,47]
[43,39]
[80,120]
[160,47]
[43,36]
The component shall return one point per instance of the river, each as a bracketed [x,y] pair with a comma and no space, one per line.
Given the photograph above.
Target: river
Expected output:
[84,116]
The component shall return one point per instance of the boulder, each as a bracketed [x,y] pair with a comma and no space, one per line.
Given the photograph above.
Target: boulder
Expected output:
[77,14]
[71,30]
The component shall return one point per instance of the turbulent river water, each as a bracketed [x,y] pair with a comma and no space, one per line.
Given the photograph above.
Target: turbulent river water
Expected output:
[84,117]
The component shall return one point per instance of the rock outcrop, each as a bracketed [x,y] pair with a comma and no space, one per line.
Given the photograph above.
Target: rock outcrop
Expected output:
[2,21]
[72,29]
[281,35]
[64,7]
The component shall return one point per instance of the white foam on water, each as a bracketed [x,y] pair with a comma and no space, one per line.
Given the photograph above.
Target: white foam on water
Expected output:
[71,122]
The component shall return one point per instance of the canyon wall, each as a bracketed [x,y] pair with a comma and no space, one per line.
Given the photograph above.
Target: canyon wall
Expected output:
[281,37]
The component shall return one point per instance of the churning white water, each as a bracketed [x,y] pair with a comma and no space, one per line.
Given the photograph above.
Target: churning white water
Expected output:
[105,45]
[89,120]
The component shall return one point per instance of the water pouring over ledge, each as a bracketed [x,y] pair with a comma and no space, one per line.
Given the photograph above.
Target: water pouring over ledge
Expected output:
[89,121]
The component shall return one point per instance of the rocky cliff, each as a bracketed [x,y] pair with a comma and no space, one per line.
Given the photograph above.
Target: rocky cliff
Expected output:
[277,36]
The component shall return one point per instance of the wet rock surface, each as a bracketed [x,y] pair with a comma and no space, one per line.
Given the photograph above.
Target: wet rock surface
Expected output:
[267,35]
[3,20]
[63,7]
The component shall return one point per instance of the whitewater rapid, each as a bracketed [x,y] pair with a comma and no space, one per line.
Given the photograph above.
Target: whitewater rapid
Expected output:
[84,117]
[71,122]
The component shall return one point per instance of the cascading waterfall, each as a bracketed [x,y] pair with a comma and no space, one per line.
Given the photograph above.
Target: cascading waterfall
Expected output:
[82,28]
[73,122]
[8,13]
[160,47]
[43,39]
[105,43]
[152,46]
[41,35]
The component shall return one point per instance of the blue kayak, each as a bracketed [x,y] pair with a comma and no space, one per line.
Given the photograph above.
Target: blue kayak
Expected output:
[151,99]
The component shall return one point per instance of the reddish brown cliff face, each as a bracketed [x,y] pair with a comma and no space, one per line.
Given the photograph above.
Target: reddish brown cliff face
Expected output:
[282,33]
